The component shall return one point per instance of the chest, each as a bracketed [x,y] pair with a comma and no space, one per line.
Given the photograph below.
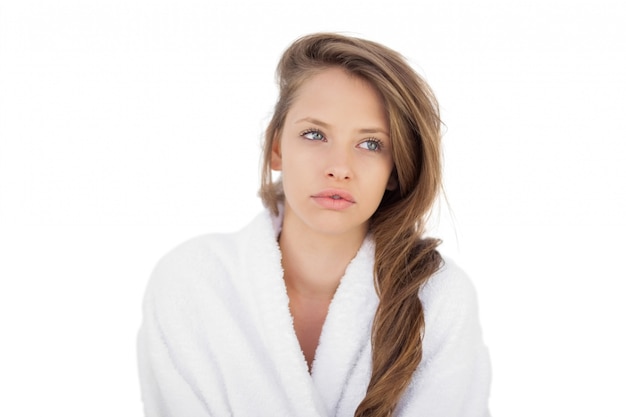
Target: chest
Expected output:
[308,320]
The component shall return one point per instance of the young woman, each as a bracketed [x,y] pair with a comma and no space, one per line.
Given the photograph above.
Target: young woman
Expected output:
[332,302]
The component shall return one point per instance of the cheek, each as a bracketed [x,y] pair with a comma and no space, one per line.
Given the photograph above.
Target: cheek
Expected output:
[300,160]
[384,180]
[380,172]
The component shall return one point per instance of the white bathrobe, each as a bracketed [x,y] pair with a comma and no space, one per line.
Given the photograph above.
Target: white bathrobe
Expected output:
[217,337]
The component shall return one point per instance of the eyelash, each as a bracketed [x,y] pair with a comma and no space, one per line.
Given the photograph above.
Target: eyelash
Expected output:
[378,142]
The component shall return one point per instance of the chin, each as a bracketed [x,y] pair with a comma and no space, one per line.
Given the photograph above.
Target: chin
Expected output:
[336,226]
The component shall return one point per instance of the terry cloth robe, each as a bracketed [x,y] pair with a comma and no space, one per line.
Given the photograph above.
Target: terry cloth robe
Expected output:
[217,337]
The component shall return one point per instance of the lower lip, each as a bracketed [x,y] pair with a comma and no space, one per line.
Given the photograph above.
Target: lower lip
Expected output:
[333,204]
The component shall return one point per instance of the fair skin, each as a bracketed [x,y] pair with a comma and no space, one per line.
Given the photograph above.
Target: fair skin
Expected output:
[334,152]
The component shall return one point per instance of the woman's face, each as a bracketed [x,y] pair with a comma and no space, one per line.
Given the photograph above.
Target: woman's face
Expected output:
[335,155]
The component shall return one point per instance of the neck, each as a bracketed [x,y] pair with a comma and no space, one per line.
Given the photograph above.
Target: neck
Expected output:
[315,263]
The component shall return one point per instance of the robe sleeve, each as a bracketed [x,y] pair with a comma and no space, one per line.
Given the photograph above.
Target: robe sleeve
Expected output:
[164,391]
[454,377]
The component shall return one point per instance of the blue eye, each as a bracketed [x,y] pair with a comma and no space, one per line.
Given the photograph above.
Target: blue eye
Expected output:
[313,135]
[371,145]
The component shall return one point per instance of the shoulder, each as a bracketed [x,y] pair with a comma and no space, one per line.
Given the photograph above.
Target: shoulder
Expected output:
[191,270]
[450,307]
[454,375]
[209,259]
[196,254]
[450,285]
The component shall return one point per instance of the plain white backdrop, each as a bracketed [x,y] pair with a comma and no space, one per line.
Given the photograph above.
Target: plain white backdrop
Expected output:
[128,126]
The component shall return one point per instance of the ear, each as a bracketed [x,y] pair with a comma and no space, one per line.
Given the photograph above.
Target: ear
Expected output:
[392,183]
[276,162]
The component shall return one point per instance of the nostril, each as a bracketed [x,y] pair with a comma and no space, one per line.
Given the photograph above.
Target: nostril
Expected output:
[339,174]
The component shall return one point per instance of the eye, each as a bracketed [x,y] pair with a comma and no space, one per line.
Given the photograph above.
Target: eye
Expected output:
[313,134]
[372,144]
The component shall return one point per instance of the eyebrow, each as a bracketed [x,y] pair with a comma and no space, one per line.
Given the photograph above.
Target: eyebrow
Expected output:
[326,126]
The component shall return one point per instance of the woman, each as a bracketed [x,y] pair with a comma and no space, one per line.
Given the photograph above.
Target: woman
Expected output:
[331,303]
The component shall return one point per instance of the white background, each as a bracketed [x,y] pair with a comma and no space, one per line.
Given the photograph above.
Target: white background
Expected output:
[128,126]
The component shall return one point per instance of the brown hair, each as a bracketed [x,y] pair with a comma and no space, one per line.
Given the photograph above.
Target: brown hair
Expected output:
[404,259]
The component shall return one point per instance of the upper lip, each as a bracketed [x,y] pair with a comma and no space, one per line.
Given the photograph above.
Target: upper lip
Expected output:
[333,192]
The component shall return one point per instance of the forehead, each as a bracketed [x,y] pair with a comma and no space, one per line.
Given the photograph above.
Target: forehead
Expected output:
[333,93]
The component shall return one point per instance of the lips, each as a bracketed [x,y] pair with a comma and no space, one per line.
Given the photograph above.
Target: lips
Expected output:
[335,195]
[334,199]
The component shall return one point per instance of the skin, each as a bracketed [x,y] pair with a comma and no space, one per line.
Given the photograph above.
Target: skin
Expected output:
[335,137]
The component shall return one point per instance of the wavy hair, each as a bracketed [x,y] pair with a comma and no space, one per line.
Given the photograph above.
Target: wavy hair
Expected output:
[404,258]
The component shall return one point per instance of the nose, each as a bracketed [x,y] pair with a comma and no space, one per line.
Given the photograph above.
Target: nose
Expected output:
[339,166]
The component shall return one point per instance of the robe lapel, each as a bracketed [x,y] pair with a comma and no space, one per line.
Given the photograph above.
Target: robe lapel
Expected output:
[345,337]
[264,271]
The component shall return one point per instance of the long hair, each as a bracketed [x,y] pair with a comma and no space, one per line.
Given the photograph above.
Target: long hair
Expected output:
[404,258]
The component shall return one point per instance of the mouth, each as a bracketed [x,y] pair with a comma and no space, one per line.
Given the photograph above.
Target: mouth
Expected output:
[336,200]
[336,195]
